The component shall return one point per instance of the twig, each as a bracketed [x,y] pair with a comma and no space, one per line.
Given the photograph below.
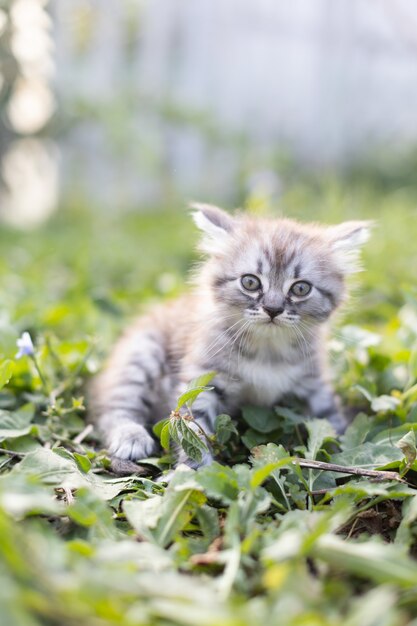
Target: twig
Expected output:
[68,495]
[83,434]
[342,469]
[352,528]
[123,467]
[214,554]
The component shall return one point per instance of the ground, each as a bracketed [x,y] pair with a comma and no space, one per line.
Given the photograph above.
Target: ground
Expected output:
[257,539]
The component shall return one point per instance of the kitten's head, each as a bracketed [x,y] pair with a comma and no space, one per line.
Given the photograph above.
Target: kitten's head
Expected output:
[277,271]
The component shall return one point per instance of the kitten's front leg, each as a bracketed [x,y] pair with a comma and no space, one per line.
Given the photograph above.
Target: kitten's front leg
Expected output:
[324,404]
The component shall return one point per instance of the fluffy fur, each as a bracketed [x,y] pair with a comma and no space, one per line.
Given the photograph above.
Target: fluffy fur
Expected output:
[264,343]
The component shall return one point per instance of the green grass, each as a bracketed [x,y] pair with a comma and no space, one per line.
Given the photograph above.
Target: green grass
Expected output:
[256,540]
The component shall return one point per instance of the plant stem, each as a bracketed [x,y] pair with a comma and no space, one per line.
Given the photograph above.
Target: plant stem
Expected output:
[41,376]
[12,452]
[342,469]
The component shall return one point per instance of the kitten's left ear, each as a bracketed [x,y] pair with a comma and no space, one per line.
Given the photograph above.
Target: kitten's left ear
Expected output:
[215,224]
[346,239]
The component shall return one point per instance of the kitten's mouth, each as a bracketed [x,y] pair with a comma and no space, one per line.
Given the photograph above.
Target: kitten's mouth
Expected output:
[287,321]
[276,321]
[268,322]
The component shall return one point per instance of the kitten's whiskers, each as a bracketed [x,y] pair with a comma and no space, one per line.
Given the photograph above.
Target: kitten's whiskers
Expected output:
[212,346]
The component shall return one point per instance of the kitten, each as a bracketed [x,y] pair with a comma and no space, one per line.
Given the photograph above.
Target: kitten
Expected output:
[257,316]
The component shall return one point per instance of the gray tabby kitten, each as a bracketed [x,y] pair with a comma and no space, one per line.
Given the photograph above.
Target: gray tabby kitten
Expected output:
[257,316]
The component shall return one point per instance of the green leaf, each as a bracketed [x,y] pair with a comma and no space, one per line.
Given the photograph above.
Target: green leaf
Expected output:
[265,454]
[261,419]
[208,518]
[371,560]
[189,397]
[410,395]
[368,455]
[202,381]
[157,428]
[219,481]
[182,432]
[391,436]
[6,372]
[17,423]
[59,468]
[359,337]
[253,438]
[364,488]
[224,428]
[365,392]
[412,367]
[382,404]
[374,608]
[174,430]
[159,519]
[291,417]
[194,389]
[407,445]
[83,462]
[260,475]
[22,496]
[177,510]
[92,512]
[319,431]
[356,432]
[404,535]
[143,515]
[192,451]
[165,436]
[162,430]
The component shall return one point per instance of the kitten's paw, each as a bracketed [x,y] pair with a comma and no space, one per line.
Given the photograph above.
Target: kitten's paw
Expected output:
[131,441]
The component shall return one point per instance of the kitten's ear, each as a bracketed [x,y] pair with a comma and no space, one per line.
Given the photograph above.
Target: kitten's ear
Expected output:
[215,224]
[346,240]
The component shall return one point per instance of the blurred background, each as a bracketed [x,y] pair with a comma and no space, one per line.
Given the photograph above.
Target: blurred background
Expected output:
[114,115]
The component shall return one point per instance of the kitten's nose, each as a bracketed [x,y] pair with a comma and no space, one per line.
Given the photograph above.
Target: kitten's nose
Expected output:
[273,311]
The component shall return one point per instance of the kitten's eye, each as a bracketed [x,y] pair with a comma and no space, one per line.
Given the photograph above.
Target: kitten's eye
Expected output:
[250,282]
[301,288]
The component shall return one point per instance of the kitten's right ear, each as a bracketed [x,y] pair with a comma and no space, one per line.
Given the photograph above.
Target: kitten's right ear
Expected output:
[215,224]
[346,240]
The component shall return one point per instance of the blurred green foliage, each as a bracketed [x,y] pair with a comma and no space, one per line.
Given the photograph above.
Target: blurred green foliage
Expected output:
[86,266]
[258,540]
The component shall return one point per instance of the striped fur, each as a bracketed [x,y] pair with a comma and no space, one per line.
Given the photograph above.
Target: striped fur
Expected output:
[263,344]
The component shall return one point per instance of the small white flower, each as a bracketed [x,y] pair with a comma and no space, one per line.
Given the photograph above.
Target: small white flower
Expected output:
[25,345]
